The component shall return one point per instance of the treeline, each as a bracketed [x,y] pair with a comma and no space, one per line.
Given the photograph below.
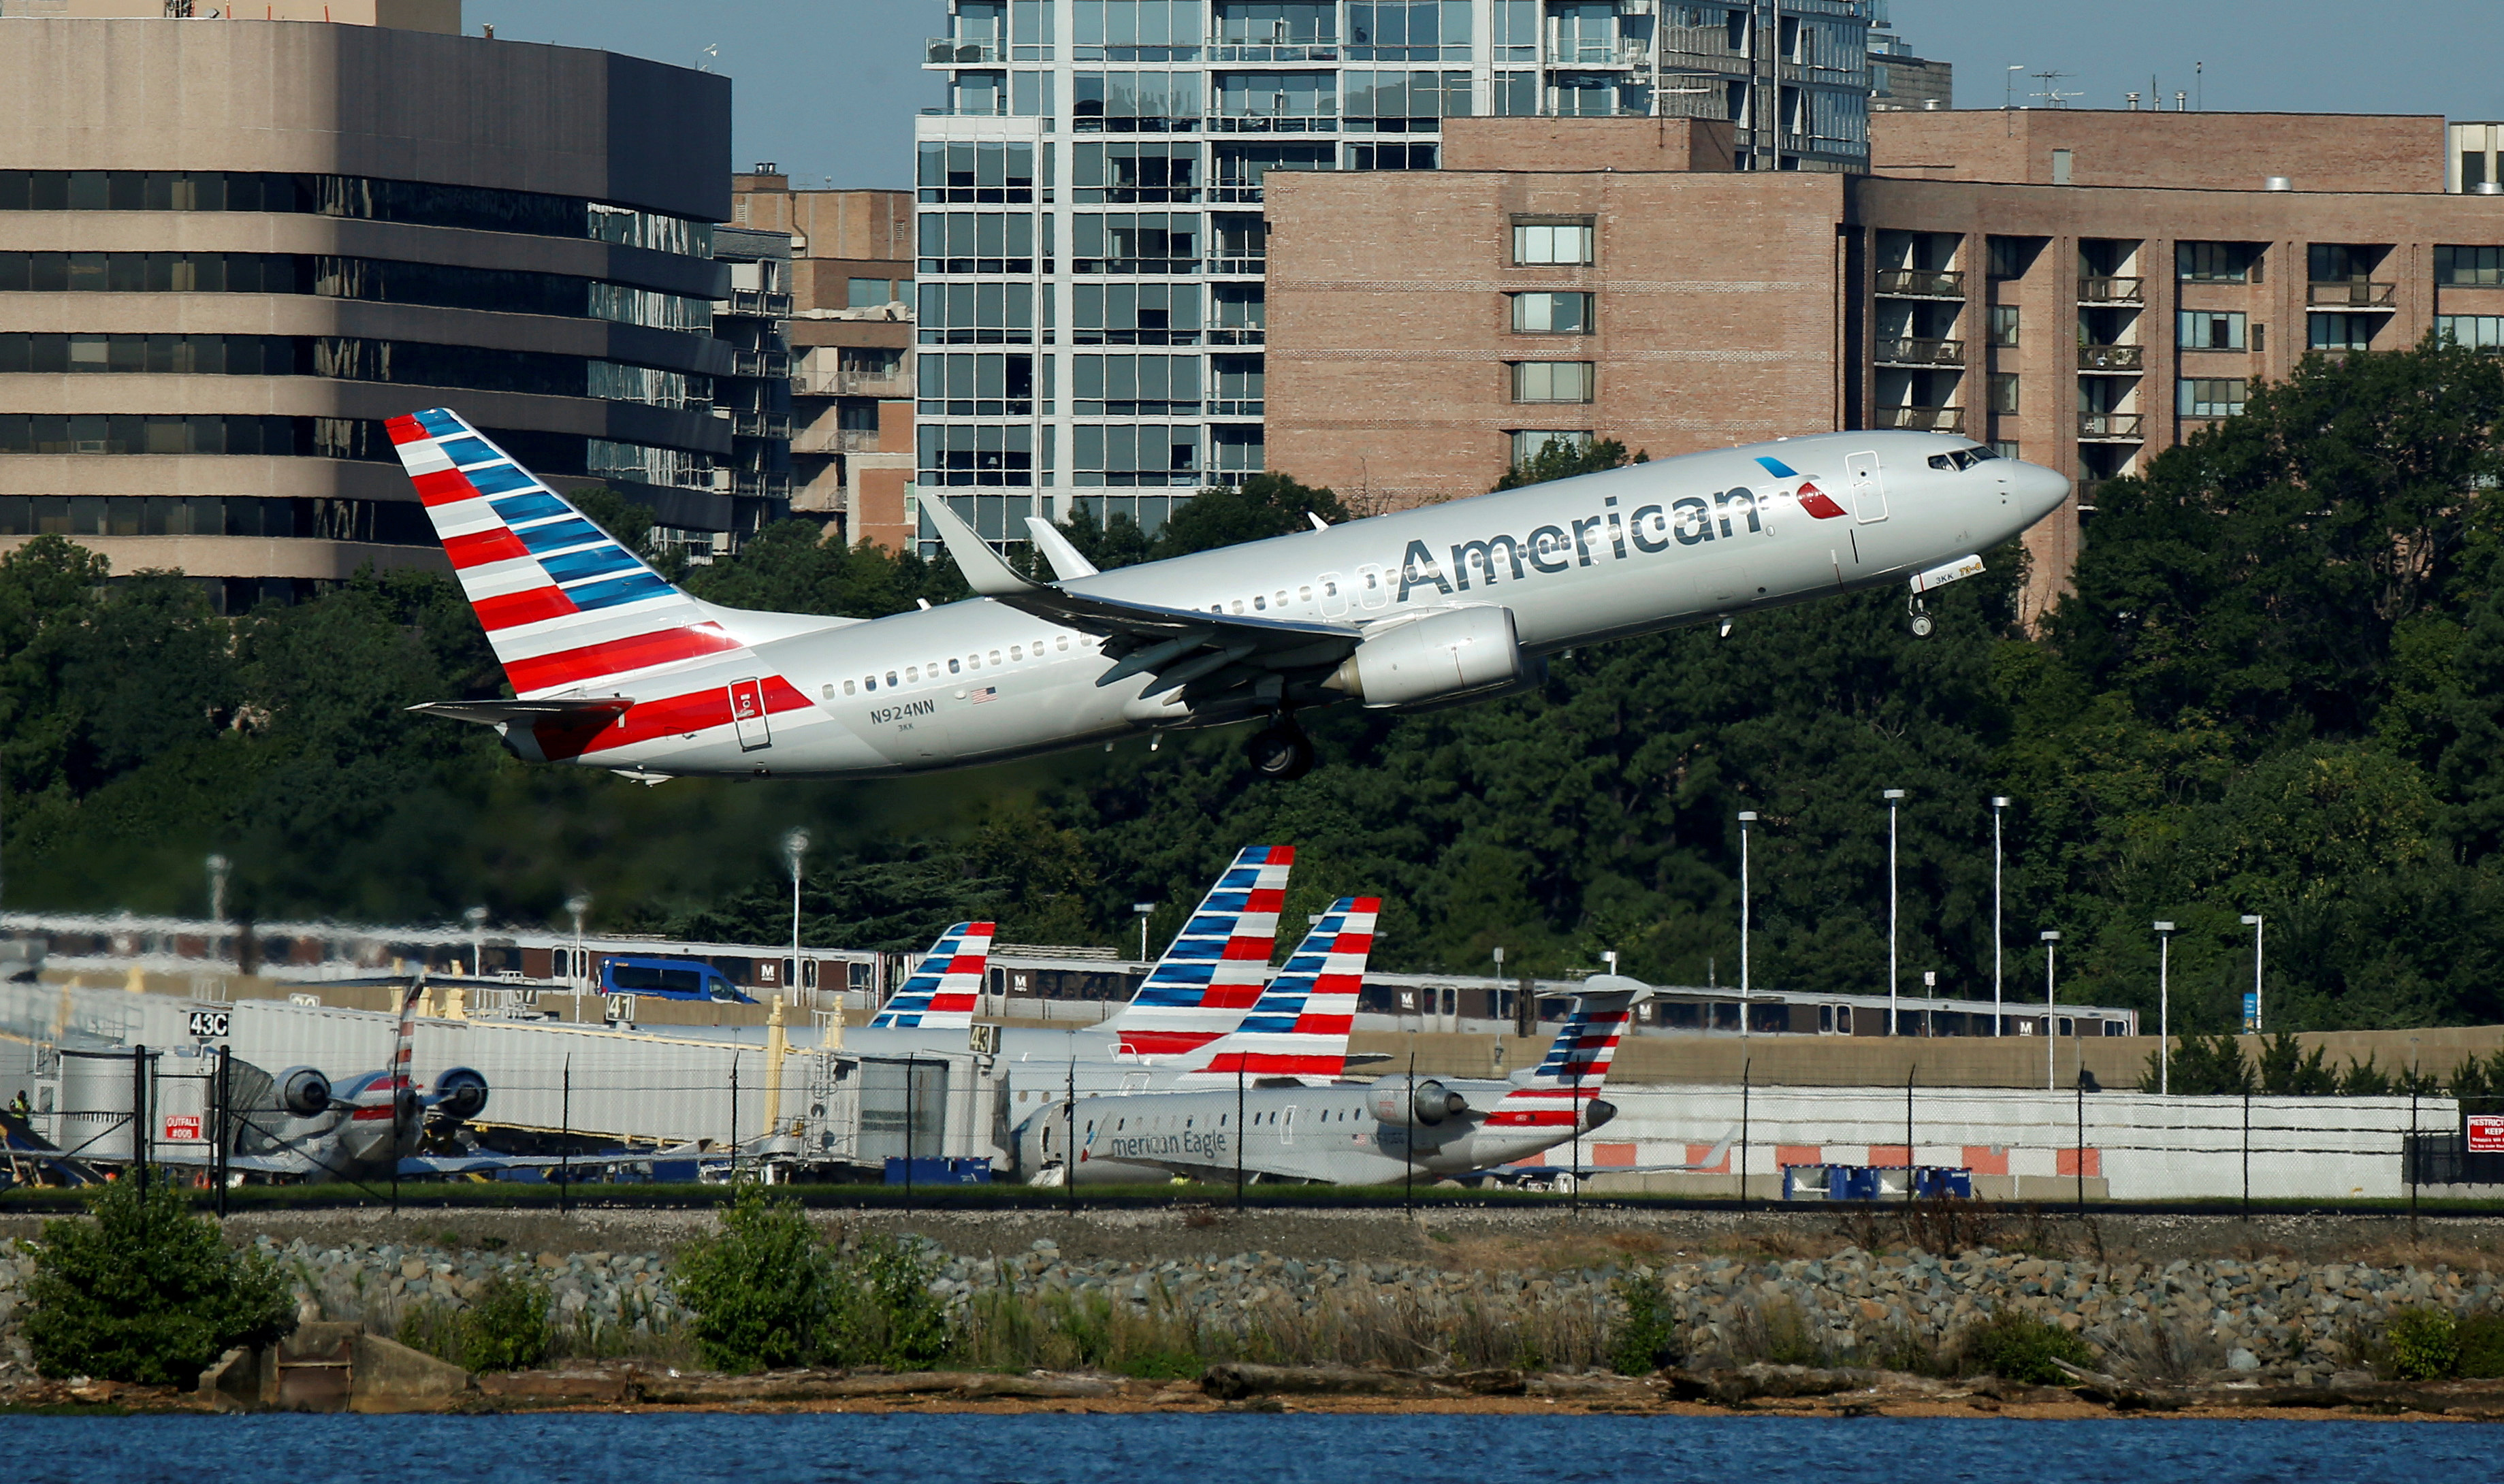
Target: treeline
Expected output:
[2274,691]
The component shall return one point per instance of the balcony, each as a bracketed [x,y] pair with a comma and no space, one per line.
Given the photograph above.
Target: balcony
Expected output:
[1223,407]
[1922,283]
[2349,293]
[950,51]
[2111,357]
[761,425]
[2112,290]
[759,303]
[1236,193]
[1238,334]
[762,363]
[1274,123]
[886,384]
[1910,349]
[748,485]
[1273,53]
[1241,267]
[1923,419]
[2111,427]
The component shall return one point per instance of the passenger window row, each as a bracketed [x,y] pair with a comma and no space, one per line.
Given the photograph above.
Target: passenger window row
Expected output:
[912,674]
[1263,602]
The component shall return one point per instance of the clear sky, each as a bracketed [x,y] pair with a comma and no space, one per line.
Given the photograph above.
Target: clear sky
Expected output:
[828,88]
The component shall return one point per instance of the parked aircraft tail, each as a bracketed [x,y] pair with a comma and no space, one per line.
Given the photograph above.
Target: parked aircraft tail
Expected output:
[947,986]
[1561,1089]
[1299,1028]
[1213,972]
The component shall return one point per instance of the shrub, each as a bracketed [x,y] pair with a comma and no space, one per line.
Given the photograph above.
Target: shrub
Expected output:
[143,1291]
[507,1327]
[762,1291]
[2425,1344]
[1645,1337]
[2019,1347]
[2482,1346]
[881,1310]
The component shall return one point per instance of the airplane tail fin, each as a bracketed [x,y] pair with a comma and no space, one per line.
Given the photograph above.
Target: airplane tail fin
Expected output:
[943,991]
[1560,1091]
[569,609]
[1213,971]
[1299,1028]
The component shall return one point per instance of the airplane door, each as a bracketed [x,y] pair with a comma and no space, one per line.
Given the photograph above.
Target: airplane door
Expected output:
[748,714]
[1334,595]
[1287,1125]
[1869,496]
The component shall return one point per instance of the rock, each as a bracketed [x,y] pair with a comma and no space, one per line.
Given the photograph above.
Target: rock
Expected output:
[2242,1359]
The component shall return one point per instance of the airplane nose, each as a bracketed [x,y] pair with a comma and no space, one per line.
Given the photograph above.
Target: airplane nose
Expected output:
[2039,491]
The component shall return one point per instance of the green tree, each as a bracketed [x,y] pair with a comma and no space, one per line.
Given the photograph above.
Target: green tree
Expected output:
[140,1290]
[763,1289]
[1261,507]
[1563,459]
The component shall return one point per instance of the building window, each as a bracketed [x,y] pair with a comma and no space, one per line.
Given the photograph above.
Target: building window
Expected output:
[175,354]
[1134,385]
[396,523]
[2003,391]
[977,174]
[2011,257]
[1146,170]
[2210,396]
[2469,267]
[2004,324]
[978,314]
[1394,102]
[1552,381]
[1553,313]
[2006,449]
[1391,157]
[2477,331]
[869,293]
[2343,332]
[1529,443]
[2207,329]
[1137,454]
[1553,242]
[2340,263]
[2218,262]
[959,453]
[1135,242]
[975,242]
[1406,30]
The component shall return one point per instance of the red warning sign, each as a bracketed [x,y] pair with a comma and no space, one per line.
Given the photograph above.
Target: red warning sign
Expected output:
[184,1129]
[2486,1133]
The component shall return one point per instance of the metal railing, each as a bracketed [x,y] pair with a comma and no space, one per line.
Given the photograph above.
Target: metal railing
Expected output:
[2112,290]
[756,301]
[1234,191]
[2111,357]
[1913,350]
[1923,419]
[1922,283]
[1272,52]
[1236,409]
[951,51]
[2351,294]
[761,425]
[1254,266]
[754,486]
[860,383]
[1251,334]
[1272,123]
[2123,426]
[744,363]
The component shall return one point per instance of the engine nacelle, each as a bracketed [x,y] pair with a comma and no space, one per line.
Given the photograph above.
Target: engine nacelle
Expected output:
[460,1094]
[1452,653]
[304,1091]
[1425,1102]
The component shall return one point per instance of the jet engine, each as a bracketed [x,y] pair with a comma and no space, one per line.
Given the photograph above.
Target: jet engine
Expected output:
[1456,652]
[304,1091]
[460,1094]
[1425,1102]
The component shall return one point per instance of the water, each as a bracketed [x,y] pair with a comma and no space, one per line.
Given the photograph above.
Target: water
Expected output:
[1065,1449]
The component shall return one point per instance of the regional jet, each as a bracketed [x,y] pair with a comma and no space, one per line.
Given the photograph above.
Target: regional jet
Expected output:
[613,667]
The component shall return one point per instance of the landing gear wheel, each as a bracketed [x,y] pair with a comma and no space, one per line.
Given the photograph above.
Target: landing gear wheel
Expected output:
[1281,752]
[1922,624]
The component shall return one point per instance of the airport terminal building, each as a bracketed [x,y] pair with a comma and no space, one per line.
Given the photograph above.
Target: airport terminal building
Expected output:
[231,249]
[2079,289]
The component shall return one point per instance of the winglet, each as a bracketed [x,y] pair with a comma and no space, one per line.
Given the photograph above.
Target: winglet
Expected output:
[985,572]
[1067,564]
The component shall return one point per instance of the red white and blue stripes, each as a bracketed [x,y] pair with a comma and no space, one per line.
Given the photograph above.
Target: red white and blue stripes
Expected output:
[1561,1091]
[395,1079]
[1216,966]
[943,991]
[1299,1028]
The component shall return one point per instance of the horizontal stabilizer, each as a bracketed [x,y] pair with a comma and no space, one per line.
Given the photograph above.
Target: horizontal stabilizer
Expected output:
[575,713]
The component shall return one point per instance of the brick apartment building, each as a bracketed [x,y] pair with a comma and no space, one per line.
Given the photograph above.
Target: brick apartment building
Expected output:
[2077,288]
[851,370]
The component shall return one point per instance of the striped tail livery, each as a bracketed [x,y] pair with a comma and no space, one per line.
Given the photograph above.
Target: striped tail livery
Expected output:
[1561,1091]
[1299,1028]
[943,991]
[1213,972]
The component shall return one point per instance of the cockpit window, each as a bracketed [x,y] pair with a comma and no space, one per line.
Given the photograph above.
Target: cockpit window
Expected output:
[1963,458]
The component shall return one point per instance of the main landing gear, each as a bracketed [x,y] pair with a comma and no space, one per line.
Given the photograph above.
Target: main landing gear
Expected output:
[1281,750]
[1922,624]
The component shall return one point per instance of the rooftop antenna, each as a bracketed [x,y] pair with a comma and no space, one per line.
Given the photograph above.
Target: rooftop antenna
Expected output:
[2051,95]
[2199,93]
[711,54]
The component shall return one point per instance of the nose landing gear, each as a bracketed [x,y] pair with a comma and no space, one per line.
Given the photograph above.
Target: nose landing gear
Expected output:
[1281,750]
[1922,624]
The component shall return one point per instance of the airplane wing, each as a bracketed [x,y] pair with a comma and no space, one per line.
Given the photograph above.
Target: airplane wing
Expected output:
[1180,645]
[580,712]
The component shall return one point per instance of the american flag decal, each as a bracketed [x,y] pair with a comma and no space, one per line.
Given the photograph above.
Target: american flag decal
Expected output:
[982,693]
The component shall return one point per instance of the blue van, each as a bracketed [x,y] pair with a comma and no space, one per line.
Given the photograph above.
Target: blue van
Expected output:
[669,978]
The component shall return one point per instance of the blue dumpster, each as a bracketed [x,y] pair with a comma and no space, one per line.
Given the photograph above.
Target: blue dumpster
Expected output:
[927,1171]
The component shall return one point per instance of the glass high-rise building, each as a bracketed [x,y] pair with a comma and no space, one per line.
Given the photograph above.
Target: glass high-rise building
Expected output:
[1090,238]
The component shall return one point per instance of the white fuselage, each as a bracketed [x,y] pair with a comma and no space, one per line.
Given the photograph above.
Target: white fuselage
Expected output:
[1596,557]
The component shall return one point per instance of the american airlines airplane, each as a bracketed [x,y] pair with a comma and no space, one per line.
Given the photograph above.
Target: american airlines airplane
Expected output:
[615,667]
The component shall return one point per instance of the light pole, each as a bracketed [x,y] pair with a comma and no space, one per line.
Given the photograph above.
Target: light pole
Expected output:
[219,866]
[2164,1009]
[1747,817]
[1895,797]
[2252,1016]
[578,904]
[1495,1005]
[2051,1039]
[1998,857]
[476,918]
[1143,909]
[795,844]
